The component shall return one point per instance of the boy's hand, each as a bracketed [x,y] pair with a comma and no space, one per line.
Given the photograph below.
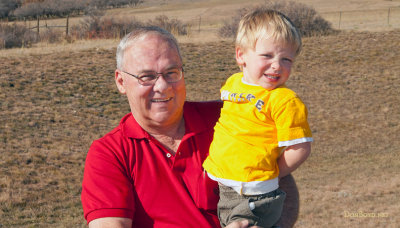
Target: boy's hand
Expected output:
[292,158]
[240,224]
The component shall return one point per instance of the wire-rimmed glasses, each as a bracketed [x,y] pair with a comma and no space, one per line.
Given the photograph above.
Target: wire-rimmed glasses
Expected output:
[150,77]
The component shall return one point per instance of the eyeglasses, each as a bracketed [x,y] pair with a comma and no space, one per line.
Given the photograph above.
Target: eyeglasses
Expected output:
[150,77]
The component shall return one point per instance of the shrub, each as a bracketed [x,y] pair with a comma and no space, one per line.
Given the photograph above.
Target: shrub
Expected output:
[16,36]
[97,26]
[174,26]
[51,36]
[50,8]
[6,6]
[102,4]
[304,17]
[29,10]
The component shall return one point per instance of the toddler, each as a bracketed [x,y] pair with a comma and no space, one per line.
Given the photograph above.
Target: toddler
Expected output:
[262,133]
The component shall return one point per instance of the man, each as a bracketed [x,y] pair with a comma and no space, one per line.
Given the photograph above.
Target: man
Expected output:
[148,172]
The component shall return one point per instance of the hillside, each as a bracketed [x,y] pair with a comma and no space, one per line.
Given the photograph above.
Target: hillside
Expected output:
[54,104]
[56,99]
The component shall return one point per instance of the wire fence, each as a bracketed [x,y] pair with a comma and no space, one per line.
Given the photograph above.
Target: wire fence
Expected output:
[362,20]
[38,26]
[373,20]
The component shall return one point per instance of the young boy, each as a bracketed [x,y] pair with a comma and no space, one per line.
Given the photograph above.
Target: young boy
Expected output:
[263,133]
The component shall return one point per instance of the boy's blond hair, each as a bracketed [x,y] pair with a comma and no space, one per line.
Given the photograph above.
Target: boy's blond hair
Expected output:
[266,23]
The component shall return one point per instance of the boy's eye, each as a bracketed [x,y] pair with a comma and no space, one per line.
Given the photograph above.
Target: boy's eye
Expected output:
[287,60]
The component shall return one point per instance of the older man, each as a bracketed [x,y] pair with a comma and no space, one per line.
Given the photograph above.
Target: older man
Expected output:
[147,172]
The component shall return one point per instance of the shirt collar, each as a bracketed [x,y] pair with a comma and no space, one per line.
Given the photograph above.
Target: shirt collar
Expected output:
[131,128]
[194,123]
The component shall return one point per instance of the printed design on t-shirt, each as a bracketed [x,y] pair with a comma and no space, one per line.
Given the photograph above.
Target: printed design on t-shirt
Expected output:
[241,98]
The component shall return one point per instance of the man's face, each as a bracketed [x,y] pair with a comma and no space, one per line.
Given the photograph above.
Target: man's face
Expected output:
[158,105]
[268,64]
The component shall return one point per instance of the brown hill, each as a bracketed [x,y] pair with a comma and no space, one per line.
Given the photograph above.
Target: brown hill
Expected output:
[54,104]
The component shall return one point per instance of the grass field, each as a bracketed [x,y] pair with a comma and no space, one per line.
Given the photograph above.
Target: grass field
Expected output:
[55,100]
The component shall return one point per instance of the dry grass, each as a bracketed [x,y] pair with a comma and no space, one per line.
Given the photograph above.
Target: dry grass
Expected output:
[205,17]
[56,99]
[54,104]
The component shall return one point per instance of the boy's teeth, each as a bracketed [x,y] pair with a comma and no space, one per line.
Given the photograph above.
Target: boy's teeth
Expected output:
[273,77]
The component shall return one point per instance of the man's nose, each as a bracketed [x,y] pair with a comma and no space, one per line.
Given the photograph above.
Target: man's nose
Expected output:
[161,84]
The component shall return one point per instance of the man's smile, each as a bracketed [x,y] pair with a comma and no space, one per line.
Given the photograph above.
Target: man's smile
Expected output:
[161,99]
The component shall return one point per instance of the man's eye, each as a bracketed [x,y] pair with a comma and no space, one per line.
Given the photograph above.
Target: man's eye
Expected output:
[147,77]
[172,72]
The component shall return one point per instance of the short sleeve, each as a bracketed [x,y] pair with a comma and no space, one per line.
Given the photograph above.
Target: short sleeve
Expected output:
[107,189]
[291,123]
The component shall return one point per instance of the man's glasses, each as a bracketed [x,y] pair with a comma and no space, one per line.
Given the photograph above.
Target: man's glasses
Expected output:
[150,77]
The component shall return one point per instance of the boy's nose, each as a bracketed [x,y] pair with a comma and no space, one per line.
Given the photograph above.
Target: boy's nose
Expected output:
[276,65]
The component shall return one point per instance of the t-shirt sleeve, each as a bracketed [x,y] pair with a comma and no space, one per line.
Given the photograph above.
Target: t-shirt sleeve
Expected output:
[107,189]
[291,123]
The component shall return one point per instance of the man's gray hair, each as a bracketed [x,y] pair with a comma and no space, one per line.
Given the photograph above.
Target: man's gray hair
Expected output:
[130,38]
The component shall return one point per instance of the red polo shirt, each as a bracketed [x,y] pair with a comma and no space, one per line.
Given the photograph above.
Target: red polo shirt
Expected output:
[128,173]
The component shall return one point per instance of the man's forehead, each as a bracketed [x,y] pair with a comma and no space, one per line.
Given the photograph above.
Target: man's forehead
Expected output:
[149,45]
[149,57]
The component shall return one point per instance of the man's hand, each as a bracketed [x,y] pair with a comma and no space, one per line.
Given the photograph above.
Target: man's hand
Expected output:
[241,224]
[111,222]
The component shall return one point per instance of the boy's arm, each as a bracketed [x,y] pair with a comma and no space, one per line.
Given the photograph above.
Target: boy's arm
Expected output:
[292,158]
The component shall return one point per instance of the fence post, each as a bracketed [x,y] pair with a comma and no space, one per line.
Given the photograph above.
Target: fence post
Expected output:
[340,18]
[37,29]
[66,29]
[388,20]
[199,22]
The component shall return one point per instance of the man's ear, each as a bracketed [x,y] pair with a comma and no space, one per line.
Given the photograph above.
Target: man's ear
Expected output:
[119,81]
[239,56]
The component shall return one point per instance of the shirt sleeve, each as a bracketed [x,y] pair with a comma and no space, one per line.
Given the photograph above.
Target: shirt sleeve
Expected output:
[107,189]
[291,123]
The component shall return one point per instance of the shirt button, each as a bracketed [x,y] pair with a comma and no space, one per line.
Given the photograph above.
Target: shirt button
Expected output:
[168,155]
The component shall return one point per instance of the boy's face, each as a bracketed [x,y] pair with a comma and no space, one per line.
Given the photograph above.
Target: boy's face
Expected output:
[268,64]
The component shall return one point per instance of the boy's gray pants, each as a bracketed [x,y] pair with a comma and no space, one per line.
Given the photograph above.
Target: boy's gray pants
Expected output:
[233,206]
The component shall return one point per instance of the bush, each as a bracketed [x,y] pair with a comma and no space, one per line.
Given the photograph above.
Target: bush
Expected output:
[102,4]
[96,26]
[174,26]
[304,17]
[51,8]
[29,10]
[16,36]
[99,27]
[6,6]
[51,36]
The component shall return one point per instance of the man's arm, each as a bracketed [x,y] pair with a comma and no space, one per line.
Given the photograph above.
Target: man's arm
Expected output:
[111,222]
[290,210]
[292,158]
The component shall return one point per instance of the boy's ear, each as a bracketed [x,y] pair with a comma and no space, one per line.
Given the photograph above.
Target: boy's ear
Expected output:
[239,56]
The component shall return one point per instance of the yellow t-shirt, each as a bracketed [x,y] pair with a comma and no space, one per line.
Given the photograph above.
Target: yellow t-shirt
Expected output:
[254,128]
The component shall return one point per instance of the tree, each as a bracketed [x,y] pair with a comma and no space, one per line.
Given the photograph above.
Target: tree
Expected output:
[59,8]
[6,6]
